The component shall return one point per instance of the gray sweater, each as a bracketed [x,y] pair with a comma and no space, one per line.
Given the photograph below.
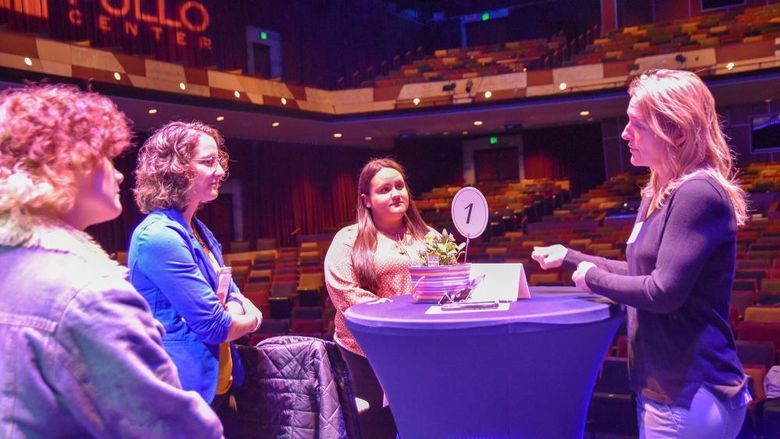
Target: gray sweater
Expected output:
[677,284]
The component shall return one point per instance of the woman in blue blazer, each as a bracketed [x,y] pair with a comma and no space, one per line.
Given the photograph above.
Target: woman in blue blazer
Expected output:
[174,262]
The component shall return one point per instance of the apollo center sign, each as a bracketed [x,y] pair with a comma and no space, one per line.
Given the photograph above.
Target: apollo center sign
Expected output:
[131,17]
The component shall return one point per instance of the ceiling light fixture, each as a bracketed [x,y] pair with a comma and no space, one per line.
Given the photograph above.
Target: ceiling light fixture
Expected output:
[152,111]
[220,118]
[488,94]
[562,86]
[416,101]
[337,135]
[182,86]
[477,123]
[237,94]
[284,101]
[730,66]
[584,113]
[275,124]
[117,76]
[28,61]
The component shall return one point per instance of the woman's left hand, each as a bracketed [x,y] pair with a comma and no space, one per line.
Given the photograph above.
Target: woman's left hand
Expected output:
[234,307]
[579,276]
[251,309]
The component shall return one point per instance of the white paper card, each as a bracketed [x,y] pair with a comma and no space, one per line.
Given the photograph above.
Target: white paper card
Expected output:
[635,232]
[502,282]
[436,309]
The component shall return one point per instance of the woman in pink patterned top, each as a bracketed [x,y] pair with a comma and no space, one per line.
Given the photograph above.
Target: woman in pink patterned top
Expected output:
[370,260]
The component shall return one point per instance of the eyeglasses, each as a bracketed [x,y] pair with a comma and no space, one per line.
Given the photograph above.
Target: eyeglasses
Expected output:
[210,162]
[455,296]
[463,295]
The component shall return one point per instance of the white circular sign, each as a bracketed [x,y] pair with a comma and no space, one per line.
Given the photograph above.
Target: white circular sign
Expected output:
[470,212]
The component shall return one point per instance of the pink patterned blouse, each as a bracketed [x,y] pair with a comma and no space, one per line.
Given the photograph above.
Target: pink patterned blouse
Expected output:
[392,260]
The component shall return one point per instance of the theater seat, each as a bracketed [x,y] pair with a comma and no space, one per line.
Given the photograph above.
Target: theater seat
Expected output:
[756,352]
[612,406]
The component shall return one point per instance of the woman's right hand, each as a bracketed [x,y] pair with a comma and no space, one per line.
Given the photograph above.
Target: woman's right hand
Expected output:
[550,256]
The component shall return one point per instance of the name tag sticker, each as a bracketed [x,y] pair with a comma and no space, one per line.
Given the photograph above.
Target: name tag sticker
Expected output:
[635,232]
[225,275]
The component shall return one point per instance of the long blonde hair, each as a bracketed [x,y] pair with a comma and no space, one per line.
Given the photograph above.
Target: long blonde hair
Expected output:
[674,103]
[365,243]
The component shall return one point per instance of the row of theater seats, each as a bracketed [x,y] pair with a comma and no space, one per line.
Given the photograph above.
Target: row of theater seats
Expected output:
[287,284]
[711,30]
[717,29]
[511,204]
[485,60]
[762,177]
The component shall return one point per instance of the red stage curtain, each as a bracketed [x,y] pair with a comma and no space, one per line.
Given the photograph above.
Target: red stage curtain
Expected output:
[288,190]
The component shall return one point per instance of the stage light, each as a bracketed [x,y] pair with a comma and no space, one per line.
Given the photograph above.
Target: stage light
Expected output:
[237,94]
[730,66]
[562,86]
[275,124]
[368,138]
[584,113]
[182,86]
[220,118]
[337,135]
[284,101]
[416,101]
[488,94]
[485,16]
[493,140]
[152,111]
[477,123]
[28,61]
[263,35]
[117,76]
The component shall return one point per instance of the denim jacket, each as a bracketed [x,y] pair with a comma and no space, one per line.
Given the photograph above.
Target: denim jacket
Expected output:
[170,269]
[81,354]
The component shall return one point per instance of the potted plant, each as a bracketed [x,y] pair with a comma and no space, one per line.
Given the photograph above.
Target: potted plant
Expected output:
[440,271]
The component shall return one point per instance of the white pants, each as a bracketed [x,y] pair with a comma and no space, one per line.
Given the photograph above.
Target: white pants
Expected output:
[707,418]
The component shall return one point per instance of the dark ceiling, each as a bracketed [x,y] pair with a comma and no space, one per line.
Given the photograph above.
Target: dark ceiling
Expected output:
[452,8]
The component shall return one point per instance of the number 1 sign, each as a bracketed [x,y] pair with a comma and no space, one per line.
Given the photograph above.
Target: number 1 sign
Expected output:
[469,213]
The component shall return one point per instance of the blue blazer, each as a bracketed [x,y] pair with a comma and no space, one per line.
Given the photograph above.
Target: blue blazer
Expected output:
[170,269]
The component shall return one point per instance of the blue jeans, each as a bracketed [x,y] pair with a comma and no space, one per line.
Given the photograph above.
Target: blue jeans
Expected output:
[707,418]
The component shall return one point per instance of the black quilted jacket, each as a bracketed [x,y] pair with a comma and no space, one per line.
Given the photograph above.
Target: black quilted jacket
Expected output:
[295,387]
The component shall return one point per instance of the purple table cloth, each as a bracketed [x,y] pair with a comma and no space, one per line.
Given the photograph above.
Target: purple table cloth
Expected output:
[524,372]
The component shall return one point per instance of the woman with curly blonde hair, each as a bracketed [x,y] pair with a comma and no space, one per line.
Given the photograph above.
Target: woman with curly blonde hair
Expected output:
[680,263]
[82,354]
[175,262]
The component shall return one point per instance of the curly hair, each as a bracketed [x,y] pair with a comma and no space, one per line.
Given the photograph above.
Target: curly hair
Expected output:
[164,173]
[50,137]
